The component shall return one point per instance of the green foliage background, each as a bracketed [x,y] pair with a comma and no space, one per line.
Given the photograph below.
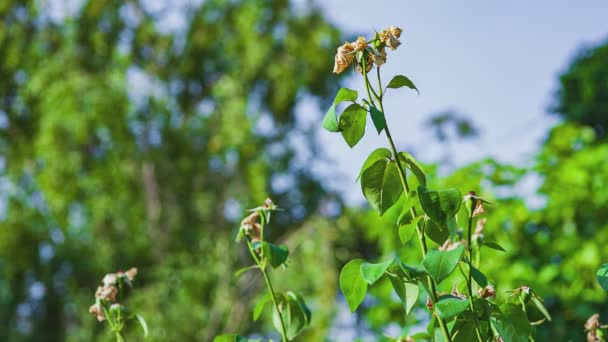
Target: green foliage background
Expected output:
[103,171]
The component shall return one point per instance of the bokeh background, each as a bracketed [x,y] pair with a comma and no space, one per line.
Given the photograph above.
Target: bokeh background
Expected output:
[136,133]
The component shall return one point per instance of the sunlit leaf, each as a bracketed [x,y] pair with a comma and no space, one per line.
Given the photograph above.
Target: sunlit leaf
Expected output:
[352,284]
[451,306]
[330,121]
[602,276]
[372,272]
[352,124]
[440,264]
[402,81]
[381,184]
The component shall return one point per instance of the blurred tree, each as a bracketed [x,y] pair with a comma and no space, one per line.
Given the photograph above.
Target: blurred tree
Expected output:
[583,94]
[135,133]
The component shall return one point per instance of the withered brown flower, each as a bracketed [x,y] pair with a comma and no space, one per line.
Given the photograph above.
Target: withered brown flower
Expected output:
[96,310]
[487,292]
[591,327]
[395,31]
[344,57]
[378,57]
[360,44]
[106,293]
[368,66]
[389,39]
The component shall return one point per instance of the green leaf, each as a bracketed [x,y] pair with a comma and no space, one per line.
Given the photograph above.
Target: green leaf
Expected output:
[296,316]
[414,166]
[352,124]
[381,185]
[226,338]
[330,121]
[352,284]
[142,323]
[602,276]
[452,226]
[493,245]
[440,264]
[464,332]
[401,81]
[437,232]
[378,118]
[538,302]
[260,305]
[407,231]
[451,306]
[377,155]
[439,205]
[479,277]
[407,292]
[511,323]
[372,272]
[406,216]
[276,255]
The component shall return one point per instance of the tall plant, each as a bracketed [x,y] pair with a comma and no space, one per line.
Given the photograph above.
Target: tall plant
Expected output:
[391,178]
[290,315]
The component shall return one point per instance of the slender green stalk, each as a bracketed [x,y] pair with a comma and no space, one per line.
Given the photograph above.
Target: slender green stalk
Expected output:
[469,278]
[406,188]
[262,267]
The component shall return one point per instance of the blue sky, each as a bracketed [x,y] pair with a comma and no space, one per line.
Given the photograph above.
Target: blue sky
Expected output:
[497,62]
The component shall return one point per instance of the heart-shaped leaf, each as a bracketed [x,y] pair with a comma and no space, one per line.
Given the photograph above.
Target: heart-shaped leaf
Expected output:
[330,121]
[372,272]
[381,184]
[276,255]
[407,231]
[402,81]
[440,264]
[352,124]
[511,323]
[352,284]
[451,306]
[437,232]
[439,205]
[407,292]
[378,154]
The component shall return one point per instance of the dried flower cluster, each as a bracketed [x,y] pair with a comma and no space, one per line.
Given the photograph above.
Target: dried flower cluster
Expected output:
[250,225]
[591,327]
[367,53]
[108,292]
[487,292]
[475,202]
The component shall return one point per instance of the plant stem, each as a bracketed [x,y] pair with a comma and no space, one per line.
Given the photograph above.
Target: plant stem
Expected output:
[470,280]
[276,305]
[262,267]
[406,188]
